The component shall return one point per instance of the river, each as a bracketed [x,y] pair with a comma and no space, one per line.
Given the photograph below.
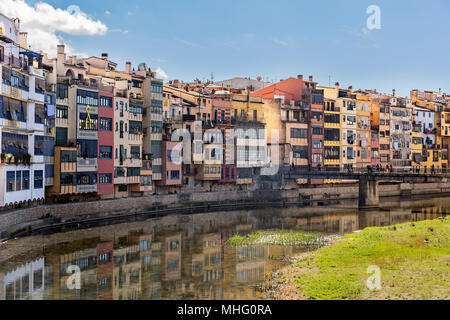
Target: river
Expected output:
[179,257]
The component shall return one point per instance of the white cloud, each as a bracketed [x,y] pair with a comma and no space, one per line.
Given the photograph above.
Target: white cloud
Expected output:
[280,42]
[130,13]
[160,73]
[107,12]
[44,22]
[188,43]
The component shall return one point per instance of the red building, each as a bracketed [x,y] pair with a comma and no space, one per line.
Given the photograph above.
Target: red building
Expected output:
[105,144]
[316,148]
[171,164]
[291,89]
[105,271]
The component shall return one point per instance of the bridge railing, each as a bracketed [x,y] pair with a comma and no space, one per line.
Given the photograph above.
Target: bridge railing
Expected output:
[368,170]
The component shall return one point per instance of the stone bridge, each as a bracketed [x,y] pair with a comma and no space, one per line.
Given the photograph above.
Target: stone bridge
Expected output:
[368,180]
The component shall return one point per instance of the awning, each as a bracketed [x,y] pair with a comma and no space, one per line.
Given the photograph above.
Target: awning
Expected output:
[31,54]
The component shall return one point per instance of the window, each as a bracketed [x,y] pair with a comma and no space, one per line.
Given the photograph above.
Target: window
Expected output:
[173,155]
[317,144]
[105,178]
[18,180]
[106,102]
[174,175]
[299,133]
[87,149]
[332,134]
[62,112]
[38,145]
[317,130]
[88,123]
[86,179]
[38,179]
[68,179]
[134,172]
[332,153]
[87,98]
[105,124]
[135,152]
[317,158]
[10,181]
[300,152]
[105,152]
[26,180]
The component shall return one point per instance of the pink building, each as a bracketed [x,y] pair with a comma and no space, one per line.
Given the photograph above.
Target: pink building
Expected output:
[171,164]
[105,144]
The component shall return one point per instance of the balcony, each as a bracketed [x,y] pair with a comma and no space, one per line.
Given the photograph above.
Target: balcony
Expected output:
[17,158]
[87,188]
[127,180]
[84,83]
[87,164]
[188,117]
[135,138]
[295,120]
[333,109]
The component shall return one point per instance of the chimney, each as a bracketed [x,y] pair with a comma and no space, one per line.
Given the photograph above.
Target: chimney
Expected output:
[300,77]
[393,92]
[105,55]
[60,59]
[128,67]
[23,40]
[310,78]
[336,85]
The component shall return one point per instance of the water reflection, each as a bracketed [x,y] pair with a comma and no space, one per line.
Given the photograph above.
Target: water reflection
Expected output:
[178,257]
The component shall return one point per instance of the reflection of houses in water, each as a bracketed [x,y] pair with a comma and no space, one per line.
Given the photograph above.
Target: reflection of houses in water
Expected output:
[105,270]
[26,282]
[127,273]
[86,260]
[331,223]
[154,287]
[207,267]
[430,213]
[172,257]
[380,218]
[251,263]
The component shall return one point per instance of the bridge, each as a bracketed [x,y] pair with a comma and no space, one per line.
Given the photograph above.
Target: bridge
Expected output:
[369,180]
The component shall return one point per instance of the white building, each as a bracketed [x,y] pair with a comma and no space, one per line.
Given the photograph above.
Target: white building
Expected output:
[26,282]
[426,118]
[22,117]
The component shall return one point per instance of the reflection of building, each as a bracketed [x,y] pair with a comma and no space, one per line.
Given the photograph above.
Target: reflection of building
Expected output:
[24,283]
[127,273]
[172,257]
[332,223]
[105,271]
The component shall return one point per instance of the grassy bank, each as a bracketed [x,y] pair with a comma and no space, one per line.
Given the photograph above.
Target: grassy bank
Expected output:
[414,260]
[279,237]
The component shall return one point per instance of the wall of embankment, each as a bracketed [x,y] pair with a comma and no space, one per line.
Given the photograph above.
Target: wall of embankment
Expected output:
[184,202]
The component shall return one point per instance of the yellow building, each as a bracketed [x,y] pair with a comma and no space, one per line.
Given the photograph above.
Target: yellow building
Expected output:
[332,136]
[363,135]
[251,140]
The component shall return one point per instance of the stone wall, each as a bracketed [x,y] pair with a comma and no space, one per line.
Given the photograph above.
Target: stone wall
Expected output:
[9,219]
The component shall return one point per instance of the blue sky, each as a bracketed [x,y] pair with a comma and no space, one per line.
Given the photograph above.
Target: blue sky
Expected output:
[276,39]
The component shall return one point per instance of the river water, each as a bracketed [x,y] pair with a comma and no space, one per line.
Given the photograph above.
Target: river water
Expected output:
[179,257]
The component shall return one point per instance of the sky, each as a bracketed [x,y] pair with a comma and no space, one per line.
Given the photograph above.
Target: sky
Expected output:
[181,39]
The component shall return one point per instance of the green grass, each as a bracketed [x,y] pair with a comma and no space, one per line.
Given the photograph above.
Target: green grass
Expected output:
[278,237]
[414,259]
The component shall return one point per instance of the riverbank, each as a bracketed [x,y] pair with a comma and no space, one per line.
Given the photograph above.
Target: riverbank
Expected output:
[414,262]
[78,215]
